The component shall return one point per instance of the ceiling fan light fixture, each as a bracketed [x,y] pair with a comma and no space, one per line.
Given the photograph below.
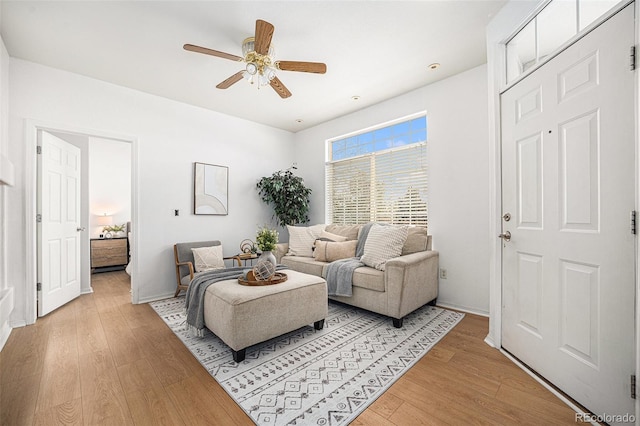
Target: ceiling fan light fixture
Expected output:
[261,68]
[249,45]
[270,73]
[252,68]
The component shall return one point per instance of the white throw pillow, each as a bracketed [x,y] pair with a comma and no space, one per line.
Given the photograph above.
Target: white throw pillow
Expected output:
[383,243]
[302,238]
[208,258]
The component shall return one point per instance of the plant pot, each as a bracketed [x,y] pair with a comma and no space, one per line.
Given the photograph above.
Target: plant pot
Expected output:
[269,257]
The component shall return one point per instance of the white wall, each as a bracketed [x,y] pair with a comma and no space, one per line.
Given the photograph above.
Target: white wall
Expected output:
[168,137]
[458,176]
[6,175]
[109,182]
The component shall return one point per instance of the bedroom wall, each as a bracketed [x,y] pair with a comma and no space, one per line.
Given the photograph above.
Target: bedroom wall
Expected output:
[168,138]
[458,176]
[109,182]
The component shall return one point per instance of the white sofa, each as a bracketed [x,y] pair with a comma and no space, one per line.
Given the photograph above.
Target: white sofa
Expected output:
[407,282]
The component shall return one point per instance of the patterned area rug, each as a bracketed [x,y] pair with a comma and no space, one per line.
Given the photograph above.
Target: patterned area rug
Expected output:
[310,377]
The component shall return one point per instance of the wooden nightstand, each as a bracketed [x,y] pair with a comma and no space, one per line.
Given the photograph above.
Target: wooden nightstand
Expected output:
[108,253]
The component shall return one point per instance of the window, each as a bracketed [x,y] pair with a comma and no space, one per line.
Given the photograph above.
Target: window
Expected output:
[379,175]
[554,25]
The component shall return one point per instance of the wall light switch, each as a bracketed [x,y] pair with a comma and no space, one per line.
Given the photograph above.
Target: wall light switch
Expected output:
[177,212]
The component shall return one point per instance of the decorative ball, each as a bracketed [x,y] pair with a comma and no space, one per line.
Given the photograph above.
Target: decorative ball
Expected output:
[264,270]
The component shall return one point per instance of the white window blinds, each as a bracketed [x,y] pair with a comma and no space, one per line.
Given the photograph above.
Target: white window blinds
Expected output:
[384,186]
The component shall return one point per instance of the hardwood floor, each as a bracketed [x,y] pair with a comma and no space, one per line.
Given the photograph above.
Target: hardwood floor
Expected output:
[101,360]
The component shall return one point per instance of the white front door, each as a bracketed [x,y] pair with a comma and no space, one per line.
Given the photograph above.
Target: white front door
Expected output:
[568,164]
[60,230]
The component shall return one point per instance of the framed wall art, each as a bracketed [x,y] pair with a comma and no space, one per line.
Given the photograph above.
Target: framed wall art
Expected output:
[210,189]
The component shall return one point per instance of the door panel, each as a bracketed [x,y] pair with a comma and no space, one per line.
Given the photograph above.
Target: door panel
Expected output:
[59,234]
[568,165]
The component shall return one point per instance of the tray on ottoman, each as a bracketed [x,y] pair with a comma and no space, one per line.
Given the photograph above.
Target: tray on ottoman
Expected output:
[277,278]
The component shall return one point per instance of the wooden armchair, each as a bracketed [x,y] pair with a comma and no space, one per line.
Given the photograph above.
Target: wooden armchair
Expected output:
[185,270]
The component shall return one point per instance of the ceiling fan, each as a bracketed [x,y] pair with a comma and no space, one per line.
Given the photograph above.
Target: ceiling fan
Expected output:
[261,67]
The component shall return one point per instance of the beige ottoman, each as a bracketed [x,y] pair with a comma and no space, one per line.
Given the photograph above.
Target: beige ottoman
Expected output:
[245,315]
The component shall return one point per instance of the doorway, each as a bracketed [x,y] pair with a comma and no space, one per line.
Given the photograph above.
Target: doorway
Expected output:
[76,136]
[568,192]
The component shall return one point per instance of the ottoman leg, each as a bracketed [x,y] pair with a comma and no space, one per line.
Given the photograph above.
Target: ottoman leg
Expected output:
[318,325]
[238,356]
[397,322]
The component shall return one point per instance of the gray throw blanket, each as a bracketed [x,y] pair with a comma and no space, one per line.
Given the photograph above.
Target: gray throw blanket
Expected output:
[340,273]
[194,301]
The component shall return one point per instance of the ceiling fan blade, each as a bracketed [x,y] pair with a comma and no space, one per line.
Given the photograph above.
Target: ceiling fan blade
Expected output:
[316,67]
[280,88]
[212,52]
[230,81]
[264,33]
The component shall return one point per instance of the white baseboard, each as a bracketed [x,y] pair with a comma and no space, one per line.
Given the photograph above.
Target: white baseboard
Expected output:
[156,298]
[6,307]
[5,332]
[87,291]
[462,308]
[489,341]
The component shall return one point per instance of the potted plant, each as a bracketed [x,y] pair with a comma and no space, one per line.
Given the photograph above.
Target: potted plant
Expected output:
[266,240]
[114,229]
[288,195]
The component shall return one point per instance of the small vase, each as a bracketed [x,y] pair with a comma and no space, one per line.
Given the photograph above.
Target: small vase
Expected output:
[268,256]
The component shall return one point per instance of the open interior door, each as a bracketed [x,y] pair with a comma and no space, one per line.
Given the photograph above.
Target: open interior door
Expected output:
[59,229]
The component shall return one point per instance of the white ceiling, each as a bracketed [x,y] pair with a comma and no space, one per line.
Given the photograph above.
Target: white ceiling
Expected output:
[373,49]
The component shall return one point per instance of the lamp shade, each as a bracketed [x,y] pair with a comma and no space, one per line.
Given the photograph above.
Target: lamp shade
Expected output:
[105,220]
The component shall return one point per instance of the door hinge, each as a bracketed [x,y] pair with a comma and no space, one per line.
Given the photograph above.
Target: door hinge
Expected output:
[632,58]
[633,386]
[38,286]
[38,218]
[38,149]
[633,222]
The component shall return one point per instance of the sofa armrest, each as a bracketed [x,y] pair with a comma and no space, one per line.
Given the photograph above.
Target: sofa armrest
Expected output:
[281,250]
[411,281]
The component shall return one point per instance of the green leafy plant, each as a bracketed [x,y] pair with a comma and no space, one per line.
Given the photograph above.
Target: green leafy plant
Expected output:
[266,239]
[114,228]
[288,195]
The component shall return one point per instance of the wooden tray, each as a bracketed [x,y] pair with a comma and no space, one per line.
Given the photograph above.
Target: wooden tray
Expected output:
[277,278]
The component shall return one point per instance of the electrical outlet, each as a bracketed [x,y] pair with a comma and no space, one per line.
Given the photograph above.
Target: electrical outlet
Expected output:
[443,273]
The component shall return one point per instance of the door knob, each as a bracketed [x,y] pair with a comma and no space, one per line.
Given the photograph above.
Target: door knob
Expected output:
[506,236]
[80,229]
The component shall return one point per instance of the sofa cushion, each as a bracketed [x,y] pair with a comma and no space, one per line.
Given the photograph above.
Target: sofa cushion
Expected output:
[327,251]
[383,243]
[349,231]
[416,240]
[369,278]
[302,238]
[306,265]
